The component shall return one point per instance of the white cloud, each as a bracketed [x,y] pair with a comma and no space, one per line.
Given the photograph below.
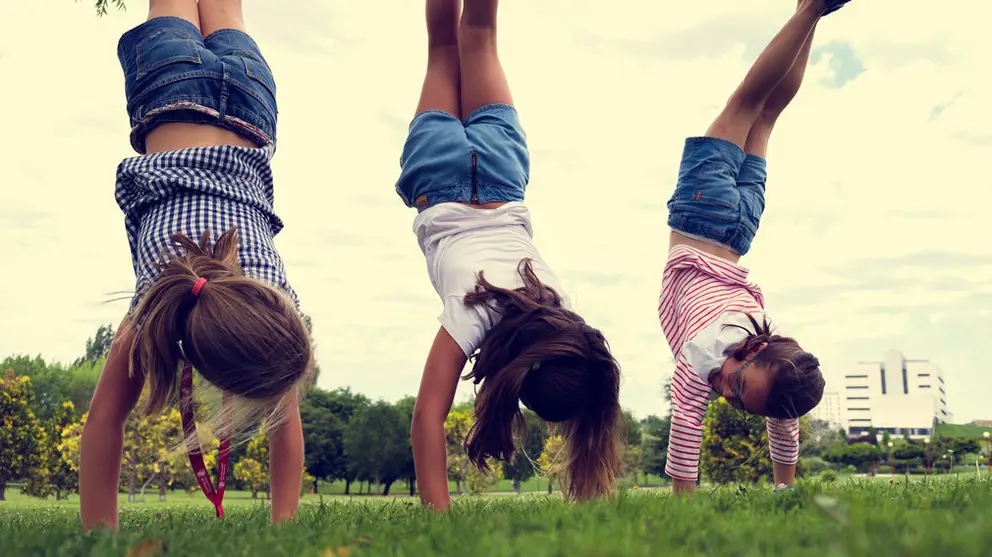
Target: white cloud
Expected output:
[858,174]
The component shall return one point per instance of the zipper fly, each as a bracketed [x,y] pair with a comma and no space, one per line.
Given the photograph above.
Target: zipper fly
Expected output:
[475,184]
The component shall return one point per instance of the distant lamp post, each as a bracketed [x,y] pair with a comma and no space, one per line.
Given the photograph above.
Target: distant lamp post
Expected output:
[926,454]
[892,465]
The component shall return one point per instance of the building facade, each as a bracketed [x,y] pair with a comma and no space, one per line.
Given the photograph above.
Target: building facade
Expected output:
[895,395]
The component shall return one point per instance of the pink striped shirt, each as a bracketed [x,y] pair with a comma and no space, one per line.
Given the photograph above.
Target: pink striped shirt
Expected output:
[696,290]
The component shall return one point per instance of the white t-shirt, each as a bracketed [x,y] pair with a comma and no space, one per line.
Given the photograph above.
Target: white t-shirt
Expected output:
[458,241]
[706,351]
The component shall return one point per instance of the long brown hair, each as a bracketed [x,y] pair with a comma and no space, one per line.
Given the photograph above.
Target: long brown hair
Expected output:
[797,382]
[548,358]
[242,335]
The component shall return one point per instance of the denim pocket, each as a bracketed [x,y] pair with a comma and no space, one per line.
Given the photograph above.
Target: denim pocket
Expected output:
[257,70]
[165,47]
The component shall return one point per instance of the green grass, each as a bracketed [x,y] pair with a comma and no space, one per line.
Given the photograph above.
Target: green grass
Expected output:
[906,519]
[969,431]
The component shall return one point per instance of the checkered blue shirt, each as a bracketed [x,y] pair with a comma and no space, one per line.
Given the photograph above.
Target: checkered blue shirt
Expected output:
[203,188]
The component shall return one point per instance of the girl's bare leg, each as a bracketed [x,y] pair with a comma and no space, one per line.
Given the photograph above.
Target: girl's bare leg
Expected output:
[185,9]
[441,90]
[773,65]
[102,443]
[483,79]
[220,14]
[757,139]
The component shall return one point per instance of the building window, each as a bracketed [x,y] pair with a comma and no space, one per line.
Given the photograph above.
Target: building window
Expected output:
[923,375]
[905,379]
[861,420]
[941,379]
[855,377]
[859,409]
[944,402]
[861,387]
[858,398]
[924,386]
[883,379]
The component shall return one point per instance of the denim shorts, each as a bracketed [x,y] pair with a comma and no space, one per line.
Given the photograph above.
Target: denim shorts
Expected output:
[172,74]
[481,160]
[720,194]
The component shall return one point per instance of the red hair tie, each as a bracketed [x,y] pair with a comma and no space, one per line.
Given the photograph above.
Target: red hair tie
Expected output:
[199,286]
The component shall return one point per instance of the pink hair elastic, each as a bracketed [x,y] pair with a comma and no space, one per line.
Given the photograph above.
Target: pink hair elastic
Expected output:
[199,286]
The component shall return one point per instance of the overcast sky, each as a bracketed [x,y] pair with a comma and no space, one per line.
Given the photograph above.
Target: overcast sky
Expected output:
[876,233]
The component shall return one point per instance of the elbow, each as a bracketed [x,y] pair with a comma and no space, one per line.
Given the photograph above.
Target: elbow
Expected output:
[425,417]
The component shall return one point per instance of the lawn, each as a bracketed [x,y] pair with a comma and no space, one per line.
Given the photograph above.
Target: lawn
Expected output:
[878,518]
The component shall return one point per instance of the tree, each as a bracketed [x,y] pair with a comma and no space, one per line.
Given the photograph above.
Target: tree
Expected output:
[632,433]
[551,460]
[862,456]
[654,448]
[456,428]
[253,469]
[103,5]
[308,323]
[407,469]
[20,430]
[376,441]
[734,450]
[479,481]
[97,347]
[52,474]
[322,437]
[522,466]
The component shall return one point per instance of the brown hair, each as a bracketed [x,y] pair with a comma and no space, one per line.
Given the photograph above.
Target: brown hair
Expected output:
[548,358]
[797,382]
[241,335]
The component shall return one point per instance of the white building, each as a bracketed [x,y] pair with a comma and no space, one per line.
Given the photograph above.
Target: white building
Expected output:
[829,410]
[896,395]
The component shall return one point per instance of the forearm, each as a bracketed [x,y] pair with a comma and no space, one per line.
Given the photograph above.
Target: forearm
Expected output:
[286,463]
[785,474]
[431,462]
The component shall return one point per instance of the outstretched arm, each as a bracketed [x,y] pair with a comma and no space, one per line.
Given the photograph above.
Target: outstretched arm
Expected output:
[690,397]
[286,460]
[783,444]
[437,391]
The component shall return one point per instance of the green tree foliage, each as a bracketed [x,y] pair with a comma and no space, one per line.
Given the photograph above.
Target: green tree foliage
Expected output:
[102,6]
[734,449]
[456,427]
[654,448]
[863,456]
[253,469]
[97,347]
[477,481]
[632,433]
[20,430]
[376,441]
[332,464]
[54,384]
[551,462]
[523,465]
[407,470]
[51,473]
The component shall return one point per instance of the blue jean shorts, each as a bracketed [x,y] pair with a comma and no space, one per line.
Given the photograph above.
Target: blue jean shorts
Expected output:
[172,74]
[720,194]
[481,160]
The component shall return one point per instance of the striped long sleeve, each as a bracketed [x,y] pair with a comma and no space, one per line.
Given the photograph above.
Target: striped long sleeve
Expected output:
[697,289]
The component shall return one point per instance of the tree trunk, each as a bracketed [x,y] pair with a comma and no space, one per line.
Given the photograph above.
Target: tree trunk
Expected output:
[458,487]
[144,485]
[413,487]
[3,490]
[254,493]
[516,485]
[378,486]
[368,487]
[162,483]
[347,487]
[551,486]
[132,484]
[385,490]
